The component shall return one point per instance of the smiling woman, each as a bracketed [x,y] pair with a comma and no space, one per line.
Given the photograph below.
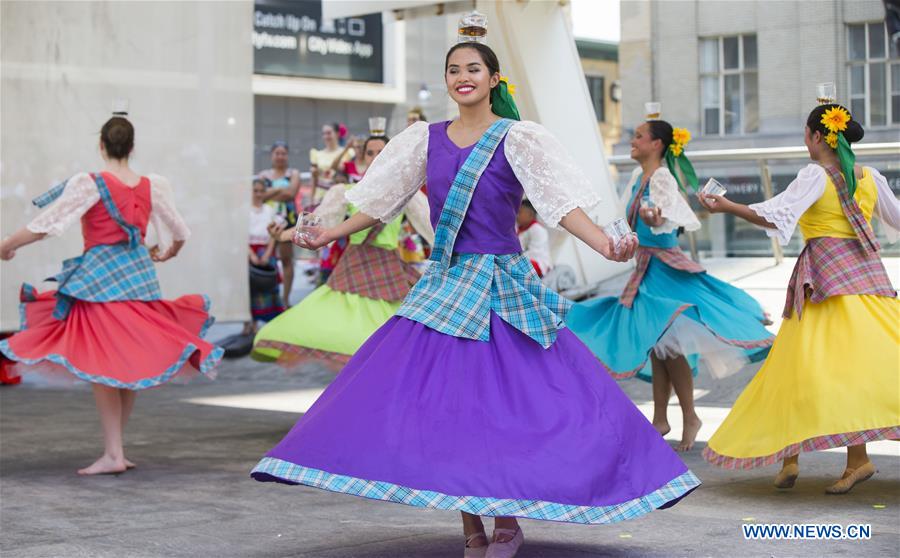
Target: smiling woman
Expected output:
[447,405]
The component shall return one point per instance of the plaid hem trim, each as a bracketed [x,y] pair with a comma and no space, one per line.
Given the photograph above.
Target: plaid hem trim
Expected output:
[206,367]
[273,469]
[761,344]
[292,355]
[817,443]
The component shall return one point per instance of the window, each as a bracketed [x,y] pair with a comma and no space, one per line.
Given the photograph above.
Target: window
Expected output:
[729,85]
[873,74]
[596,88]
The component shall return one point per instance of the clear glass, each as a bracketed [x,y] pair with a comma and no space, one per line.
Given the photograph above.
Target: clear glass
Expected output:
[709,56]
[653,110]
[733,104]
[617,231]
[750,59]
[309,225]
[858,80]
[826,93]
[877,42]
[877,94]
[714,187]
[856,42]
[751,103]
[377,125]
[731,53]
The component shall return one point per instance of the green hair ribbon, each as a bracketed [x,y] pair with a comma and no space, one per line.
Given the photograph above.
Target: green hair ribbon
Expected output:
[502,102]
[681,162]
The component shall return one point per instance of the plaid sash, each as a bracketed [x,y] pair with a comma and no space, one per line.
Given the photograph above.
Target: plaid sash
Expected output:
[108,272]
[672,257]
[831,266]
[458,291]
[852,212]
[373,272]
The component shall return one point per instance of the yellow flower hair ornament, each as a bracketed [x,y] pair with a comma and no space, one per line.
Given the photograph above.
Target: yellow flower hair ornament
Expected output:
[509,86]
[836,119]
[832,140]
[675,159]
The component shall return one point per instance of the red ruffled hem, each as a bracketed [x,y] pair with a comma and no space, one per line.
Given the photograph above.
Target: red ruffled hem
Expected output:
[128,344]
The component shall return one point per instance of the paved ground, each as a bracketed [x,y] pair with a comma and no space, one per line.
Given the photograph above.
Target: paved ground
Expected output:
[195,444]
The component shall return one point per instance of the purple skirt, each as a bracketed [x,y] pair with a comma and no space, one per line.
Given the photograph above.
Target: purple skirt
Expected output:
[499,428]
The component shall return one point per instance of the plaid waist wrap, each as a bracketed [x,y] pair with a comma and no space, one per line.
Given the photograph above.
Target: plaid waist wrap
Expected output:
[458,292]
[672,257]
[108,272]
[835,266]
[373,272]
[458,301]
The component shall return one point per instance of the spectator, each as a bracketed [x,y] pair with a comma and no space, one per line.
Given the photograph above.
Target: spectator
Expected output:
[264,304]
[534,238]
[284,185]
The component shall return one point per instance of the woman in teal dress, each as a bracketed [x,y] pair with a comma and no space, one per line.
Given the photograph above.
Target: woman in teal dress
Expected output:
[671,315]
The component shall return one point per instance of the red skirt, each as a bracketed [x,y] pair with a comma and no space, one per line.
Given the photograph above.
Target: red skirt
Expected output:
[127,344]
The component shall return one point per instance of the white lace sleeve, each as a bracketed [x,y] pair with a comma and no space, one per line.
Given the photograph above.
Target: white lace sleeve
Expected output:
[552,180]
[333,208]
[785,209]
[79,195]
[887,208]
[163,213]
[675,209]
[419,215]
[394,176]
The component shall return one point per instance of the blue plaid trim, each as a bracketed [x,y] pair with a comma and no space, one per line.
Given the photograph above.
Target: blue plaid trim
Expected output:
[270,468]
[50,195]
[206,367]
[106,273]
[458,291]
[458,301]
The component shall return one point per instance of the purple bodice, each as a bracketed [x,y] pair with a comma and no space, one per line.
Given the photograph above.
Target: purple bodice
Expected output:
[490,223]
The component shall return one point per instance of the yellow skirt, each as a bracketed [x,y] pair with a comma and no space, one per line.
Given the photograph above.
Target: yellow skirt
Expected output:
[832,379]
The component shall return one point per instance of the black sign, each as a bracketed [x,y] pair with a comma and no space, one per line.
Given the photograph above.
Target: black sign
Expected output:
[290,38]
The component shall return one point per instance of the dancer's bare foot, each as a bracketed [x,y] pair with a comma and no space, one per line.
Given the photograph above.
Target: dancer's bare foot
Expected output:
[106,465]
[689,433]
[662,427]
[129,464]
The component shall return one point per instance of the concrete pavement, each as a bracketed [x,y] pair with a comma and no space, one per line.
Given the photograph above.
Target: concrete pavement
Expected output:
[191,495]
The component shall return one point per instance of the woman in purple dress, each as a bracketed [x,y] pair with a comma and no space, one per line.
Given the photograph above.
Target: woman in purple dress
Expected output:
[475,397]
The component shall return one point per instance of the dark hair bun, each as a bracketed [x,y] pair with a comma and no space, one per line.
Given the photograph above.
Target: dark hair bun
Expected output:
[117,136]
[854,131]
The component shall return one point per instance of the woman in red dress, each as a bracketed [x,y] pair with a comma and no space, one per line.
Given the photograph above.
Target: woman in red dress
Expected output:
[107,322]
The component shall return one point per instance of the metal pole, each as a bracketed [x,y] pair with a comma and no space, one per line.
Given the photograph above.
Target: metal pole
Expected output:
[767,195]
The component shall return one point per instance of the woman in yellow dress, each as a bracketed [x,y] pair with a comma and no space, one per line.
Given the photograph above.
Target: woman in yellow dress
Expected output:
[832,377]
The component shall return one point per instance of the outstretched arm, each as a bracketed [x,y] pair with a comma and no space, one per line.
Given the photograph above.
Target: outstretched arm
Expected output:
[721,204]
[580,225]
[20,238]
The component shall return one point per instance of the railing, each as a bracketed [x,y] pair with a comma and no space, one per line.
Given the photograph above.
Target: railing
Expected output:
[762,156]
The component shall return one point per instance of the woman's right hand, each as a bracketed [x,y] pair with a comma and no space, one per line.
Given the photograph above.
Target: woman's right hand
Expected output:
[652,216]
[322,238]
